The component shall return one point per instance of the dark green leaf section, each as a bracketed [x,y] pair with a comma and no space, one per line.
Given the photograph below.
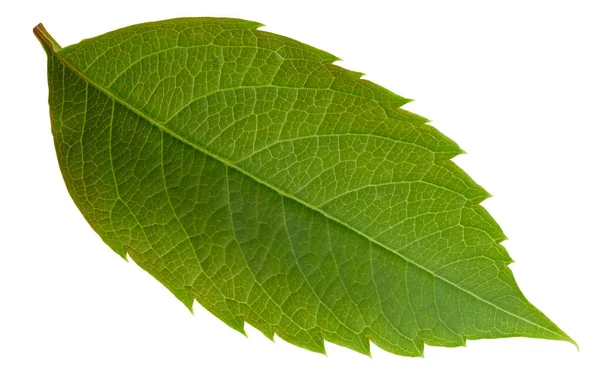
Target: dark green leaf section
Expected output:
[245,171]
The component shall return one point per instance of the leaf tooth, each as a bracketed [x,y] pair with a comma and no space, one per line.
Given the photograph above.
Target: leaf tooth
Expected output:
[477,193]
[367,350]
[476,216]
[267,331]
[316,343]
[312,52]
[235,322]
[363,348]
[251,25]
[354,74]
[446,147]
[344,78]
[396,350]
[118,248]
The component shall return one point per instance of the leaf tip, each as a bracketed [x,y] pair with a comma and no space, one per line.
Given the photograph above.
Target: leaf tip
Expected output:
[568,339]
[575,344]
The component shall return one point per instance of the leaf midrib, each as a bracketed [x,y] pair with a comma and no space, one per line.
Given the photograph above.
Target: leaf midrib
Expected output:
[281,192]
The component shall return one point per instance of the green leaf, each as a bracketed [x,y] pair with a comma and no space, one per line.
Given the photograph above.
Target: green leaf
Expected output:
[243,170]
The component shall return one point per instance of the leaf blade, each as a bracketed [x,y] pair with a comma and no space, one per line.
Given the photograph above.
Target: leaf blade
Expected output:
[378,131]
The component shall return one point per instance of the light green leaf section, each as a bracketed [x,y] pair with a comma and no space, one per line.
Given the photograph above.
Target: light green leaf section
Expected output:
[243,170]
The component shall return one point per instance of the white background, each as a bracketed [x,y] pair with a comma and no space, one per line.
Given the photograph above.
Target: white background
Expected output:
[515,83]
